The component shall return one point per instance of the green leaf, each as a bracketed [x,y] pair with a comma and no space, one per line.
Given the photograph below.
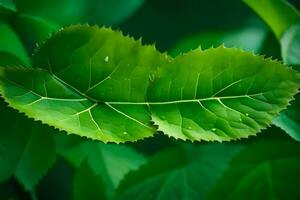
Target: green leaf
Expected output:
[108,67]
[87,184]
[10,43]
[12,140]
[289,119]
[26,148]
[8,59]
[186,172]
[32,30]
[290,46]
[9,4]
[278,14]
[284,20]
[224,95]
[266,169]
[110,162]
[37,157]
[111,88]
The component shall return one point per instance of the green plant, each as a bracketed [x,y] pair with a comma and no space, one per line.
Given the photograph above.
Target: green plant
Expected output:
[96,83]
[109,87]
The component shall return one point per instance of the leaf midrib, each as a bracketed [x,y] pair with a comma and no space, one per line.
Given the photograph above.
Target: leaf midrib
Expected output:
[154,103]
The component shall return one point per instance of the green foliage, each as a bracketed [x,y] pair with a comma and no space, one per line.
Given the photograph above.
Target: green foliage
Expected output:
[278,14]
[21,153]
[8,59]
[10,43]
[87,184]
[290,42]
[9,4]
[95,78]
[184,172]
[18,27]
[273,173]
[100,84]
[289,119]
[36,157]
[284,20]
[32,30]
[25,157]
[109,162]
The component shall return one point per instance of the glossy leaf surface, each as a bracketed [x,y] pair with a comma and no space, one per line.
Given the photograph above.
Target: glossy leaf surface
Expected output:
[113,89]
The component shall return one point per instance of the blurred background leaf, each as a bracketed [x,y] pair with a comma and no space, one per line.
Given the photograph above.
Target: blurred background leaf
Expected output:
[9,4]
[231,38]
[87,184]
[11,43]
[183,172]
[108,161]
[165,22]
[290,43]
[278,14]
[27,148]
[102,12]
[266,169]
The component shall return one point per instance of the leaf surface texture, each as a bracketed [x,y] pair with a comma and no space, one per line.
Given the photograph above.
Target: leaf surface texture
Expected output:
[97,83]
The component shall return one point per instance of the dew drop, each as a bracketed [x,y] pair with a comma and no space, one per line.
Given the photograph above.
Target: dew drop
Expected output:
[106,59]
[125,133]
[247,114]
[213,129]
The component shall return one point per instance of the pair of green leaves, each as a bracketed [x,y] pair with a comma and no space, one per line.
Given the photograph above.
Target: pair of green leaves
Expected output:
[97,83]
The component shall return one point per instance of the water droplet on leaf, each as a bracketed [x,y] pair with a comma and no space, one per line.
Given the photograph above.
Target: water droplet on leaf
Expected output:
[106,59]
